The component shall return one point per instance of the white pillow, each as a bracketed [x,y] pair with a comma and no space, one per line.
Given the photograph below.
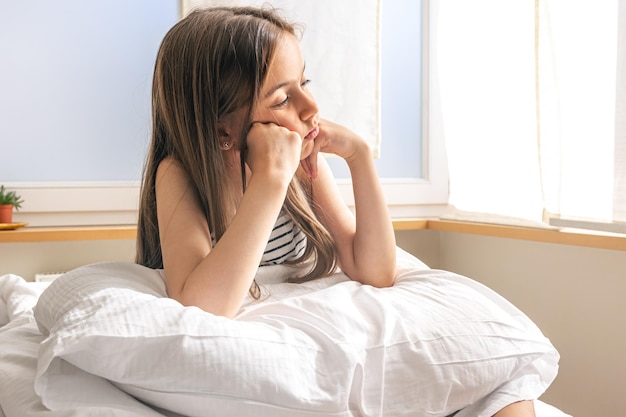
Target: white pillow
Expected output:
[432,344]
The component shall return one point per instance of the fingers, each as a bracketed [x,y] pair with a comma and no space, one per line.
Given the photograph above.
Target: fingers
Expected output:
[338,140]
[273,150]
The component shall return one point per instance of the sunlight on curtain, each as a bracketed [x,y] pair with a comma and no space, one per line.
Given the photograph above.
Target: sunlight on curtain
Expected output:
[619,188]
[484,58]
[341,45]
[534,107]
[577,74]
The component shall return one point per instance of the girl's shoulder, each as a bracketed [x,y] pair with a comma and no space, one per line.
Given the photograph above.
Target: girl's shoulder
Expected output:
[170,170]
[168,164]
[171,179]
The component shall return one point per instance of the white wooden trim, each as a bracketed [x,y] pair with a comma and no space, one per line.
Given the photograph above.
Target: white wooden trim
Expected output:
[606,226]
[116,203]
[77,203]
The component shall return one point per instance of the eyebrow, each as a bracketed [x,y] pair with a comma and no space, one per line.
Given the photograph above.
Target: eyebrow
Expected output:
[281,85]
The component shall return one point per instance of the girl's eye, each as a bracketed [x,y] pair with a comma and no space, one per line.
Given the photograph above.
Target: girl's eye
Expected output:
[282,103]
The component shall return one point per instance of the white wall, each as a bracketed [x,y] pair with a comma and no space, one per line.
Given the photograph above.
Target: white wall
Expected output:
[29,258]
[575,295]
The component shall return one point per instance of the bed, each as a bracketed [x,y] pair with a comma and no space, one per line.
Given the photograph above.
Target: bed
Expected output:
[104,339]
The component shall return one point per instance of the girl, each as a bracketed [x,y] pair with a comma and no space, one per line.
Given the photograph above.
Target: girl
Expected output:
[234,177]
[234,163]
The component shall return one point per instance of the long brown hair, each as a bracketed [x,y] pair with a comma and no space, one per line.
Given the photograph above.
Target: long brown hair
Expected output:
[210,64]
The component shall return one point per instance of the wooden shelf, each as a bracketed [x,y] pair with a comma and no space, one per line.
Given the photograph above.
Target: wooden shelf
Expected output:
[576,237]
[56,234]
[565,237]
[410,224]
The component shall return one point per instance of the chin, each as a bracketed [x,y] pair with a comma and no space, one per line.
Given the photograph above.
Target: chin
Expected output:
[307,150]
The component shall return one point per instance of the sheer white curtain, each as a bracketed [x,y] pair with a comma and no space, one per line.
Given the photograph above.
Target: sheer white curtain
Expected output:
[484,56]
[341,46]
[619,189]
[582,111]
[533,101]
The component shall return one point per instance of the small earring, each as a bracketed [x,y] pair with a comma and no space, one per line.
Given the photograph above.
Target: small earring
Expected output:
[225,145]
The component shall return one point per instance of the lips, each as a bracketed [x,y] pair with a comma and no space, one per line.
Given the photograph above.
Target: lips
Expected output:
[313,133]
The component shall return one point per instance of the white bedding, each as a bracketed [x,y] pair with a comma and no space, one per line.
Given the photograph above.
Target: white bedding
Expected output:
[434,343]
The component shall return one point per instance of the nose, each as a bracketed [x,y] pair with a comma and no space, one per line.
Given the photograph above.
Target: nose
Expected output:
[308,105]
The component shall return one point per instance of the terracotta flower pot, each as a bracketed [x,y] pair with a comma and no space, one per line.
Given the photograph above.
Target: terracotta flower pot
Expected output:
[6,213]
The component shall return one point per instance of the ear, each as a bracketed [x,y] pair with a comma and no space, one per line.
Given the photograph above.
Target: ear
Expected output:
[224,136]
[228,128]
[222,130]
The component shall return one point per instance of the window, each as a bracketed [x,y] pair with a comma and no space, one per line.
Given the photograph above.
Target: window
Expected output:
[71,173]
[75,105]
[412,163]
[582,110]
[534,110]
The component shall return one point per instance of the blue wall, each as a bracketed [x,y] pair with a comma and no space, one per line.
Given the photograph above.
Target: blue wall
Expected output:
[75,88]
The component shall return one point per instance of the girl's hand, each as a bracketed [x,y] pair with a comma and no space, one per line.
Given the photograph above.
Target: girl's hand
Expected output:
[338,140]
[273,151]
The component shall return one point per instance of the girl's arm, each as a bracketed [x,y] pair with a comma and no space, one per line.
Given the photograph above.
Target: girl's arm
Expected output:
[217,279]
[365,241]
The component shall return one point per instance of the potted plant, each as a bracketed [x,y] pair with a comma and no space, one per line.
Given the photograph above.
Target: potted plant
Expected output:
[9,200]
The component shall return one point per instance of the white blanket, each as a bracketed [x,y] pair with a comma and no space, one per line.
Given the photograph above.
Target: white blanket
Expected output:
[20,340]
[434,343]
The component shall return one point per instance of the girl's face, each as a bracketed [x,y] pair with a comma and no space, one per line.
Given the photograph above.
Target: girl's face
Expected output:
[285,98]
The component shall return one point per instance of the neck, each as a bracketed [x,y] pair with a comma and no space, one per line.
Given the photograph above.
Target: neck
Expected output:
[235,184]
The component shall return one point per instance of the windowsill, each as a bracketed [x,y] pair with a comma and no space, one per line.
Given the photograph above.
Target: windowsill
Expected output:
[575,237]
[57,234]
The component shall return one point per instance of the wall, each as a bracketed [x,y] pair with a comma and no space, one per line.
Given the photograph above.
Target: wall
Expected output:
[574,294]
[77,89]
[75,81]
[29,258]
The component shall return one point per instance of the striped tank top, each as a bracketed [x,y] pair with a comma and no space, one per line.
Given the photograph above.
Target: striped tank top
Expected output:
[287,242]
